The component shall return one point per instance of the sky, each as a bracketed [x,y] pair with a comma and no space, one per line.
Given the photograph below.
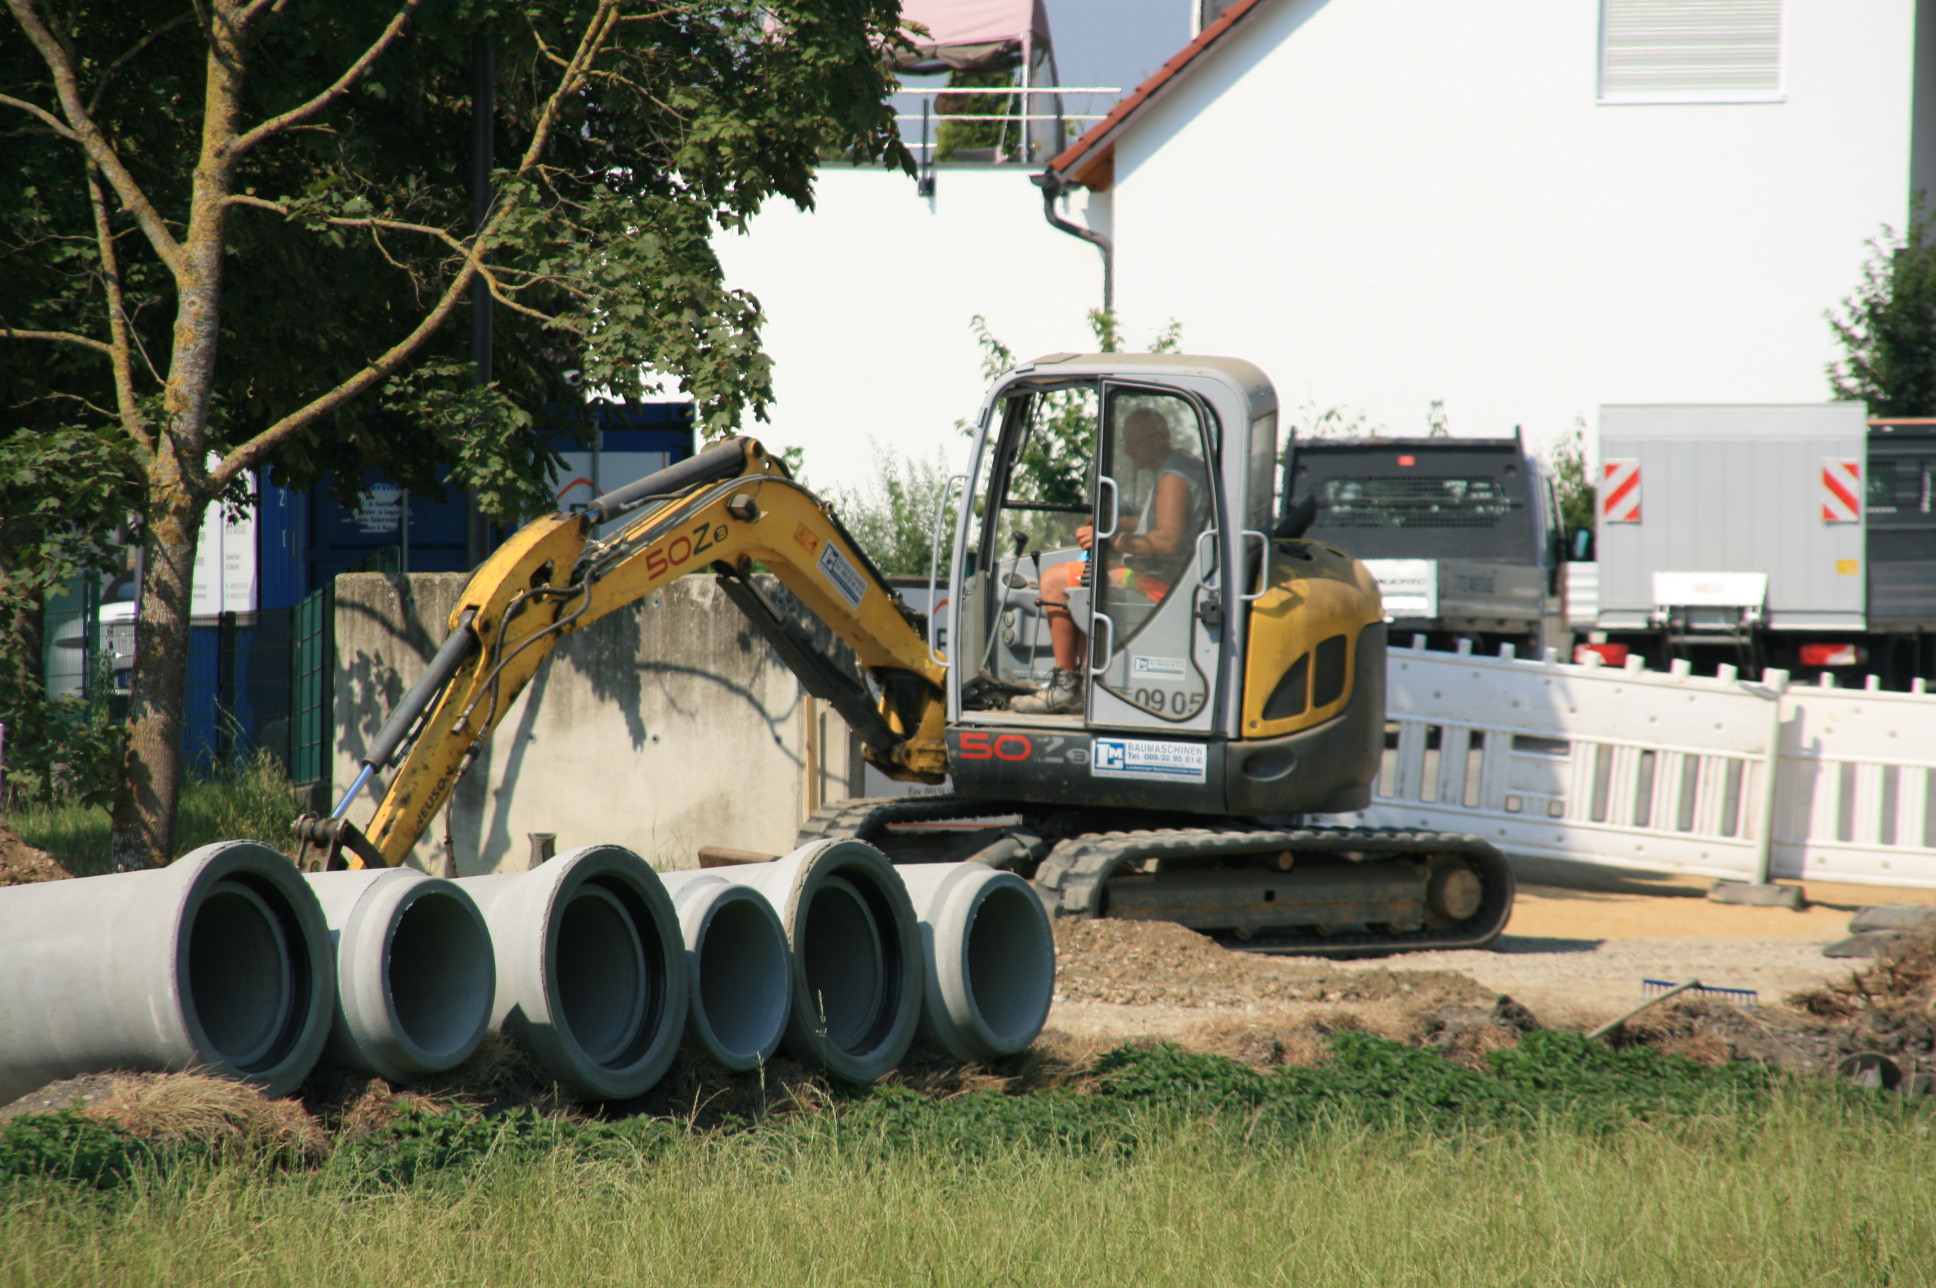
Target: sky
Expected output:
[1115,43]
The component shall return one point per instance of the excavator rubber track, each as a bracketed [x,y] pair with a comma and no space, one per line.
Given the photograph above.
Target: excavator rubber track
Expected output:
[1098,873]
[1078,873]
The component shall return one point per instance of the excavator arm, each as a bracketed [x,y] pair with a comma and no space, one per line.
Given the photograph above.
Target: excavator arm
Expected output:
[721,511]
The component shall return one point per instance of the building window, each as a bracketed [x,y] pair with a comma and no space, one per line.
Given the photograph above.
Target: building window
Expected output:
[1690,51]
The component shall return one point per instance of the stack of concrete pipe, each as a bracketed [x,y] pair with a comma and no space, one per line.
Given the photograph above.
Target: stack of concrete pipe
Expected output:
[232,962]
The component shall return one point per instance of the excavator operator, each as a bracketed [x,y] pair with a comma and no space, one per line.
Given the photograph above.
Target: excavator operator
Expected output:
[1145,555]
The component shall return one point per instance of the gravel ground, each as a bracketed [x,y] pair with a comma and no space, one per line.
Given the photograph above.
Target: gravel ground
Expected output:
[1575,955]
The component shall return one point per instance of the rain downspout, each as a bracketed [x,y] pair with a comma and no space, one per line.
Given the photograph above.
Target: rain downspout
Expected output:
[1053,185]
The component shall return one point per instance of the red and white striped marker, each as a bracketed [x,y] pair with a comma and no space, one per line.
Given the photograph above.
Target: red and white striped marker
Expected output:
[1841,491]
[1620,492]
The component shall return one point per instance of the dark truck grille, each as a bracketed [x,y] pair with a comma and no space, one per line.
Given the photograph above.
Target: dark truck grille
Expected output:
[1413,501]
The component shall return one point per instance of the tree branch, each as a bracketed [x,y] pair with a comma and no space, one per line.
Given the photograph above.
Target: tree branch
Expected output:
[356,71]
[256,450]
[121,350]
[62,337]
[42,115]
[82,130]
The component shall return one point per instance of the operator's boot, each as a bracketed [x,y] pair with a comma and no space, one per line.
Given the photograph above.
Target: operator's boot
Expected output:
[1061,696]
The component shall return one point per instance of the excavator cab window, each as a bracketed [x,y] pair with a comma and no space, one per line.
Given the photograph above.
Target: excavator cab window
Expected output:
[1132,465]
[1156,505]
[1036,488]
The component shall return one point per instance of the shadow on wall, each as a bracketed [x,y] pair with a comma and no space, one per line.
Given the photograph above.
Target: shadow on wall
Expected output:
[619,716]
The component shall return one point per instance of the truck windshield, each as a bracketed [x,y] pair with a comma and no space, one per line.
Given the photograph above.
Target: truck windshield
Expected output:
[1411,500]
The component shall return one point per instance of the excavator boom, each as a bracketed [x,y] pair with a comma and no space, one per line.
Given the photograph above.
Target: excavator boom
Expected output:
[721,511]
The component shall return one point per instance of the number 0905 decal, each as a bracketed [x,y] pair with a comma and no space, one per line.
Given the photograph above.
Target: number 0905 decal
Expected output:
[683,549]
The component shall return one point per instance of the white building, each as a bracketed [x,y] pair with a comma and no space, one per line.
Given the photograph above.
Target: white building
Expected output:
[1520,209]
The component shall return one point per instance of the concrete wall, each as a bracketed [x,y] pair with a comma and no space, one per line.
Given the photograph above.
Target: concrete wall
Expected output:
[869,298]
[1385,203]
[661,729]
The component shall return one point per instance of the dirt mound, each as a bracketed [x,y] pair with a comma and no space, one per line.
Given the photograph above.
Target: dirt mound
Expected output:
[1888,1007]
[1158,963]
[229,1118]
[22,864]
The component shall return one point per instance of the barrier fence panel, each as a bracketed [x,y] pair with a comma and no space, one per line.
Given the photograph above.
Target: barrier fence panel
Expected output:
[1662,771]
[1858,777]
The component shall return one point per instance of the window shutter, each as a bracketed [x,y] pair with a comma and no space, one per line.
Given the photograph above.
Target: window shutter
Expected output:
[1690,50]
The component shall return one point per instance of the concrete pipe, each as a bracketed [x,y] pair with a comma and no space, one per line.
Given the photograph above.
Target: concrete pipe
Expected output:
[856,953]
[218,962]
[414,972]
[591,968]
[740,966]
[988,957]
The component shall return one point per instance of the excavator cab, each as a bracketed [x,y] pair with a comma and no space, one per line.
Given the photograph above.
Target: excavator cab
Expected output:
[1092,457]
[1167,466]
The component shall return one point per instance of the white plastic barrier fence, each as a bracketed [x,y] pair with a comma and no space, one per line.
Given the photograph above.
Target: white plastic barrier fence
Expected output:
[1857,790]
[1663,771]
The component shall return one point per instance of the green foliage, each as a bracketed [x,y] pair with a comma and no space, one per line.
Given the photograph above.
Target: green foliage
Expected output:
[71,1148]
[1331,422]
[63,490]
[1887,328]
[951,135]
[422,1147]
[603,256]
[252,800]
[894,518]
[1573,479]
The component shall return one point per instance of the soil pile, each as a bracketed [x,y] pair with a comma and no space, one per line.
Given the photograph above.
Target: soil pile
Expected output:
[1888,1007]
[1159,963]
[22,864]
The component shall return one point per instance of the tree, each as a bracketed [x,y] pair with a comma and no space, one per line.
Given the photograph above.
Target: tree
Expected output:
[60,495]
[1573,480]
[1888,327]
[239,233]
[894,518]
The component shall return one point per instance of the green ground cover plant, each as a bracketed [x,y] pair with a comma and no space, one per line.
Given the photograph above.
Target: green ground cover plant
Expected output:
[1561,1162]
[252,799]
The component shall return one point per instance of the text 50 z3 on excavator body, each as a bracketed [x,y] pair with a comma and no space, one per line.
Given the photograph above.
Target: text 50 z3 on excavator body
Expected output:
[1150,680]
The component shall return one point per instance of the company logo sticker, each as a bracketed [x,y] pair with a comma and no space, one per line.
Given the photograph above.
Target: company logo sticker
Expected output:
[1174,762]
[845,578]
[1159,669]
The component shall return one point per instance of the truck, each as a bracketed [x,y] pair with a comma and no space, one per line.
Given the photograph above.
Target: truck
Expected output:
[1797,536]
[1232,669]
[1463,534]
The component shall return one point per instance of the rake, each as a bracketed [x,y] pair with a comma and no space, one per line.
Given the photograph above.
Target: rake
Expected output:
[1661,990]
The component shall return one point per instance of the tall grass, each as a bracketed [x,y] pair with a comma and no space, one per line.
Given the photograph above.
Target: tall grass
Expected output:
[251,801]
[1802,1194]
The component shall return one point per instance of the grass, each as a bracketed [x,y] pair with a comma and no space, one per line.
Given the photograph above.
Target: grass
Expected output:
[1807,1192]
[253,800]
[1562,1164]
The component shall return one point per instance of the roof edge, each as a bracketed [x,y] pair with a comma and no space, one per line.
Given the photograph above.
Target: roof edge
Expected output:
[1088,154]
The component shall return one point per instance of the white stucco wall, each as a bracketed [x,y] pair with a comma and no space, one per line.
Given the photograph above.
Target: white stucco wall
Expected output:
[1384,202]
[869,298]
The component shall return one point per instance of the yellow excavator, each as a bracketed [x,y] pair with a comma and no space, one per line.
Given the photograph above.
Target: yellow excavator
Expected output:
[1212,679]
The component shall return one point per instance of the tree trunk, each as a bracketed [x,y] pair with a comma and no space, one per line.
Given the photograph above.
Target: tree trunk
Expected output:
[151,766]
